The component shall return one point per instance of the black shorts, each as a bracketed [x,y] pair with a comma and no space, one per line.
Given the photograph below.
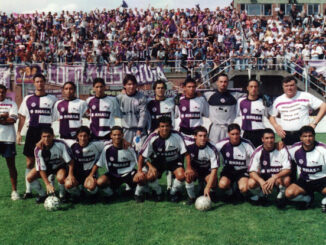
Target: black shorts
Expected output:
[7,149]
[234,175]
[117,180]
[54,171]
[81,175]
[291,137]
[254,136]
[311,186]
[202,172]
[170,166]
[33,136]
[265,176]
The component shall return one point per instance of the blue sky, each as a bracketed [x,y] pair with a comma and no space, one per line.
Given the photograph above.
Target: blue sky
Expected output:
[29,6]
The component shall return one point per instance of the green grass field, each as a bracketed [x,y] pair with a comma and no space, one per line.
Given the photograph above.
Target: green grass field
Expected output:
[125,222]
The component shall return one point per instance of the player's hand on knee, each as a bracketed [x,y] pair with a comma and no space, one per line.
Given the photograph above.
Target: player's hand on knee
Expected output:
[190,175]
[49,189]
[152,173]
[139,177]
[90,181]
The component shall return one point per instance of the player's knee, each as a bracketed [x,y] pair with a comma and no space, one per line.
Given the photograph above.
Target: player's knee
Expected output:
[252,184]
[323,191]
[223,185]
[180,176]
[287,181]
[289,193]
[103,182]
[90,186]
[243,188]
[61,179]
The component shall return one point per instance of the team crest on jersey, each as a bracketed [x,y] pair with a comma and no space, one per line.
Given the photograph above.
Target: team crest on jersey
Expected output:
[263,171]
[154,109]
[77,151]
[264,163]
[111,159]
[245,110]
[222,100]
[93,107]
[228,154]
[159,149]
[184,108]
[33,104]
[62,109]
[135,102]
[301,161]
[192,155]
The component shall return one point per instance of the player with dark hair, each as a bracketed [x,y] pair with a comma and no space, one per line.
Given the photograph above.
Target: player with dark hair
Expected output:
[164,150]
[190,110]
[37,109]
[236,153]
[133,107]
[269,167]
[102,110]
[53,158]
[252,110]
[310,158]
[119,164]
[69,111]
[205,161]
[85,154]
[293,108]
[8,117]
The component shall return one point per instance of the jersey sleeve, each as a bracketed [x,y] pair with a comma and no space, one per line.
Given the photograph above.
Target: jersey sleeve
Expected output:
[205,111]
[55,114]
[286,164]
[273,110]
[254,165]
[83,108]
[102,162]
[314,102]
[116,108]
[214,158]
[250,149]
[13,112]
[182,145]
[66,153]
[39,160]
[147,149]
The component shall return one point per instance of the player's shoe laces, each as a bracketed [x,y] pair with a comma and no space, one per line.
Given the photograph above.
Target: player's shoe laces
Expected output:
[27,195]
[15,196]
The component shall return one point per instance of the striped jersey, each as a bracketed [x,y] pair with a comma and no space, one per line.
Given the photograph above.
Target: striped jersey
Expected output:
[159,108]
[206,157]
[7,132]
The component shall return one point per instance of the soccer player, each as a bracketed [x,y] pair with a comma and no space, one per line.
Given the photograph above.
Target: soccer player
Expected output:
[205,161]
[236,153]
[133,107]
[222,108]
[8,117]
[190,110]
[269,167]
[160,105]
[37,109]
[85,154]
[252,109]
[53,158]
[69,111]
[310,158]
[101,109]
[119,164]
[293,107]
[164,150]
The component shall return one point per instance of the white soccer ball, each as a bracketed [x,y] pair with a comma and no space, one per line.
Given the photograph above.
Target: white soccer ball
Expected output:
[52,203]
[203,203]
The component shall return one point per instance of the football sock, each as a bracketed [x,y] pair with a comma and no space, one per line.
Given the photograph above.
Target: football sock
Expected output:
[51,179]
[107,191]
[28,185]
[128,188]
[75,191]
[229,192]
[139,190]
[92,192]
[190,187]
[281,194]
[62,190]
[156,187]
[177,185]
[35,185]
[169,180]
[301,198]
[257,191]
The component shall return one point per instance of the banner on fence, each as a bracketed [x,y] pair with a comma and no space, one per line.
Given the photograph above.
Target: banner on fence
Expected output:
[26,73]
[5,76]
[84,74]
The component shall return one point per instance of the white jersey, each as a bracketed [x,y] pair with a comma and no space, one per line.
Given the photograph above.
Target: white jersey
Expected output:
[252,113]
[190,113]
[7,132]
[204,157]
[294,111]
[38,109]
[58,155]
[164,150]
[117,161]
[269,162]
[236,156]
[86,157]
[69,113]
[102,112]
[311,165]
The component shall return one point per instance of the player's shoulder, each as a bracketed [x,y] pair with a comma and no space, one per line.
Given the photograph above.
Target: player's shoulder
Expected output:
[90,98]
[295,146]
[257,151]
[222,142]
[60,143]
[321,145]
[211,147]
[52,97]
[246,142]
[8,102]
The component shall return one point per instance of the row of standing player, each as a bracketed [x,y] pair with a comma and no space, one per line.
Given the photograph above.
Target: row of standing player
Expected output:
[190,108]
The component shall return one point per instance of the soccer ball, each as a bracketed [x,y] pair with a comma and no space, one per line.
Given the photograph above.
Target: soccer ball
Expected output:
[203,203]
[52,203]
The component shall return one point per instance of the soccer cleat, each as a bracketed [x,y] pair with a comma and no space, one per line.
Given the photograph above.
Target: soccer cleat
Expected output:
[15,196]
[40,199]
[174,198]
[27,195]
[280,203]
[305,205]
[64,199]
[323,208]
[158,198]
[139,199]
[254,200]
[190,201]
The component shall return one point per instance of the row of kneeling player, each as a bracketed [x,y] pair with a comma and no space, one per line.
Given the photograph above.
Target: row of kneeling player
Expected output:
[247,172]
